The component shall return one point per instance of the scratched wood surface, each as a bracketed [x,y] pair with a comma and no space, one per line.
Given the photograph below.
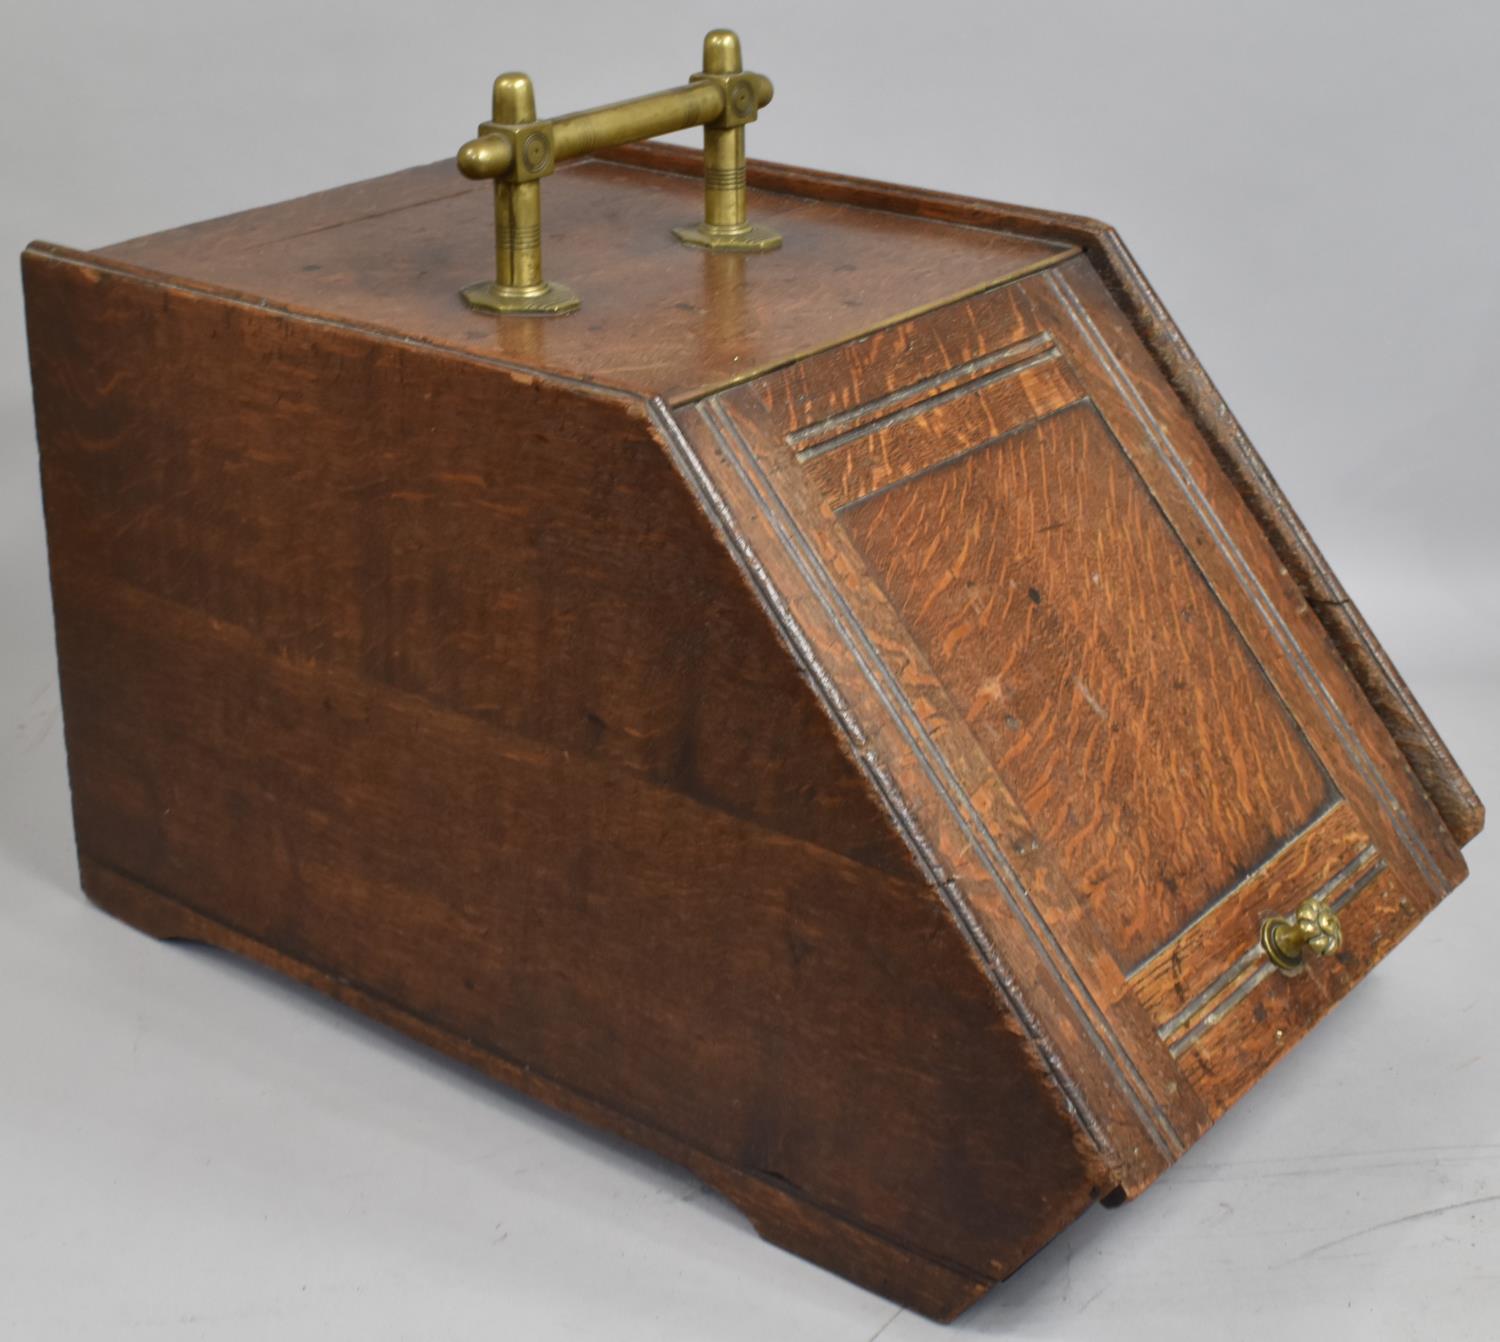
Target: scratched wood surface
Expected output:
[847,751]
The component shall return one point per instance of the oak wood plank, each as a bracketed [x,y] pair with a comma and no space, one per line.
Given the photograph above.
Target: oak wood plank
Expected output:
[658,318]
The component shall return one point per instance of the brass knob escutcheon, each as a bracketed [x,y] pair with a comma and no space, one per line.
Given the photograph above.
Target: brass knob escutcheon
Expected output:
[1313,929]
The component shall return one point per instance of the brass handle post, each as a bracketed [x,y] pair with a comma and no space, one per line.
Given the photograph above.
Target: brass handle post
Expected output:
[515,150]
[1313,929]
[724,225]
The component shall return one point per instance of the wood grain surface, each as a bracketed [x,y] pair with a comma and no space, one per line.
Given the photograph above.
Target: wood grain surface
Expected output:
[658,318]
[1069,611]
[1182,982]
[463,724]
[1236,456]
[258,253]
[836,718]
[1077,647]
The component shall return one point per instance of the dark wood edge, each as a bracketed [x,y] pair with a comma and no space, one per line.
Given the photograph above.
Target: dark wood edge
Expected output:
[917,1280]
[1430,759]
[40,253]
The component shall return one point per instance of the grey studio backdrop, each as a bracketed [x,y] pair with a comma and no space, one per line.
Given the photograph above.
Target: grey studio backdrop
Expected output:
[190,1147]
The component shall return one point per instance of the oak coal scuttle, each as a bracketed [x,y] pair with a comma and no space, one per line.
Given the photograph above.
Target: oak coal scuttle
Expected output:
[856,717]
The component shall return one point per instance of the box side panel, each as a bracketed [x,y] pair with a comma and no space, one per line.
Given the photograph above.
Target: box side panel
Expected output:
[437,685]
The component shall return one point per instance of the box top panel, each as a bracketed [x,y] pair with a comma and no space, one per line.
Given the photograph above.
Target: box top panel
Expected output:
[658,318]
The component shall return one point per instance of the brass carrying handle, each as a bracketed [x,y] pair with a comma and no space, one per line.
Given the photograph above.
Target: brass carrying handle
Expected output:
[1313,929]
[515,151]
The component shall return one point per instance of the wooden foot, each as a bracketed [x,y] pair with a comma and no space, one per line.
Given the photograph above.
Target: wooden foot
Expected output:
[142,908]
[926,1285]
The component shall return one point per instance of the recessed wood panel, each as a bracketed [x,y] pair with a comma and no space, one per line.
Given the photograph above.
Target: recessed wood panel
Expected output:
[1090,659]
[877,446]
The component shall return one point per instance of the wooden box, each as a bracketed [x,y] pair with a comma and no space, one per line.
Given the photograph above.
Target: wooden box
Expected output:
[840,718]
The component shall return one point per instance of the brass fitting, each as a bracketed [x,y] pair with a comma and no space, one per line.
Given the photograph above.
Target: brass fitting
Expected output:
[1314,929]
[515,150]
[724,226]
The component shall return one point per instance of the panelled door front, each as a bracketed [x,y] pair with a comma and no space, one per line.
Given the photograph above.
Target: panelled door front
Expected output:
[1073,664]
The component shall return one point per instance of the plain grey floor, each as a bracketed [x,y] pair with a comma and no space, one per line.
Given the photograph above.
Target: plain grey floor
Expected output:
[189,1147]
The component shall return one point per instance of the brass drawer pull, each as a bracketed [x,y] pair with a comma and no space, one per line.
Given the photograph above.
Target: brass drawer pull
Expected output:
[1313,928]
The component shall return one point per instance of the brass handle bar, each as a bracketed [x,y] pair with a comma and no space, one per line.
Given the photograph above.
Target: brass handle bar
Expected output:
[582,133]
[515,150]
[653,114]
